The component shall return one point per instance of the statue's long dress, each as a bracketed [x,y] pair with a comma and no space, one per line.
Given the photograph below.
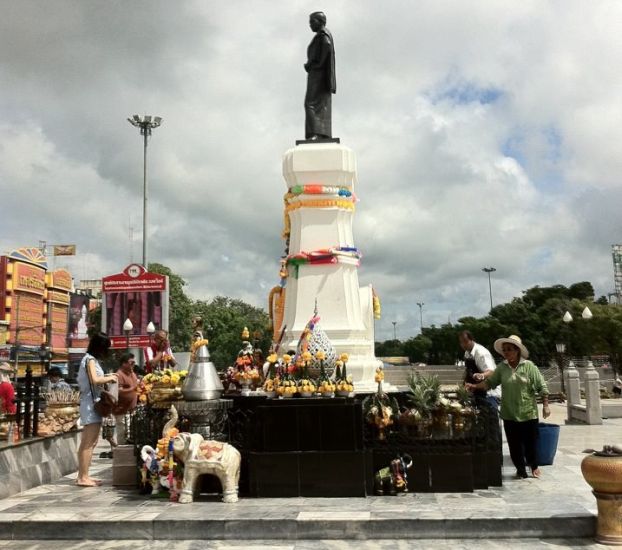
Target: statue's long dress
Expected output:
[321,84]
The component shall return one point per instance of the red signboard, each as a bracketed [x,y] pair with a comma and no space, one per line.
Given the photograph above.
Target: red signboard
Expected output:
[120,342]
[138,296]
[134,279]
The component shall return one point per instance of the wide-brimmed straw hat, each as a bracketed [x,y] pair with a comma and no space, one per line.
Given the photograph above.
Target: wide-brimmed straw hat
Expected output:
[515,341]
[5,367]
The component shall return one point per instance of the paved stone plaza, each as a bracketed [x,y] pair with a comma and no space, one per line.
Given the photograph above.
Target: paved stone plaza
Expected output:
[559,507]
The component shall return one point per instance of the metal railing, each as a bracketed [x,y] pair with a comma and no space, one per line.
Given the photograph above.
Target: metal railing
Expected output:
[27,398]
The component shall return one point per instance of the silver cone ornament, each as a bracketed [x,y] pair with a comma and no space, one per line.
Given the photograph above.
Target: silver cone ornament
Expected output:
[202,382]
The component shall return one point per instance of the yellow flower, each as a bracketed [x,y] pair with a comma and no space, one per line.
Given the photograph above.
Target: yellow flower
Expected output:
[287,359]
[306,356]
[339,363]
[344,357]
[320,355]
[175,379]
[166,379]
[272,358]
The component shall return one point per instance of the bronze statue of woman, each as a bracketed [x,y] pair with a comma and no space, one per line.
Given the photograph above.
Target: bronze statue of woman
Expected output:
[321,80]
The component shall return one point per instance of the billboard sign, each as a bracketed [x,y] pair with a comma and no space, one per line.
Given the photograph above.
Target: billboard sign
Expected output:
[28,278]
[27,306]
[139,296]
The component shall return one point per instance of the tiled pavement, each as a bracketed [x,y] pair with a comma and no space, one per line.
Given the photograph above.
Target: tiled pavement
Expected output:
[560,505]
[432,544]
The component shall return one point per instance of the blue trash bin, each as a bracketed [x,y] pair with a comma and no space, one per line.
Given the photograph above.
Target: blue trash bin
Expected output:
[546,447]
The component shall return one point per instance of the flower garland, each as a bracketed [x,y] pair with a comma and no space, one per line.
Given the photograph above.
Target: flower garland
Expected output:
[316,189]
[346,204]
[198,343]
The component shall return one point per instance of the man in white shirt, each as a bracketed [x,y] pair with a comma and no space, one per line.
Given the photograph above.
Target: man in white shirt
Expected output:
[478,359]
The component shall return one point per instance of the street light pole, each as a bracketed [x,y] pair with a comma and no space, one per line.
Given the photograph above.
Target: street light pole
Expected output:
[421,304]
[394,330]
[489,270]
[128,327]
[146,125]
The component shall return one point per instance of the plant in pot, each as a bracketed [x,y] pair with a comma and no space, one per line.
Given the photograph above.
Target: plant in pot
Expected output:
[602,470]
[463,418]
[423,396]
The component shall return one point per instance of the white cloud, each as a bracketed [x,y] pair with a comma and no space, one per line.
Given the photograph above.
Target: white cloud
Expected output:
[486,134]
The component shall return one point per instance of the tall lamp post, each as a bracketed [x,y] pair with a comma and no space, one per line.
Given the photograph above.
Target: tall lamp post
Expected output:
[394,330]
[421,304]
[150,330]
[586,314]
[146,124]
[489,270]
[127,328]
[561,349]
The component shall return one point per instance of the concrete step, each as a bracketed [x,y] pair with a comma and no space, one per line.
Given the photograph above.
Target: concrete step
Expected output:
[190,522]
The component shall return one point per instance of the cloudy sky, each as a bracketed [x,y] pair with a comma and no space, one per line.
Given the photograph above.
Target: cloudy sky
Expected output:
[487,134]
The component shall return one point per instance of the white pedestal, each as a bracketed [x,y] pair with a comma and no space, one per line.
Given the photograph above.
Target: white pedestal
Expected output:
[346,310]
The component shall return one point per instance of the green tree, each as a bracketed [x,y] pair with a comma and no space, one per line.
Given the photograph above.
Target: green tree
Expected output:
[418,348]
[180,309]
[224,319]
[389,348]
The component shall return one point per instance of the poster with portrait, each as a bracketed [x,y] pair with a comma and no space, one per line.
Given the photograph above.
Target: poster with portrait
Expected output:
[80,306]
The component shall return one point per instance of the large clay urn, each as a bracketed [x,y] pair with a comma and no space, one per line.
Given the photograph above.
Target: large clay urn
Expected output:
[603,472]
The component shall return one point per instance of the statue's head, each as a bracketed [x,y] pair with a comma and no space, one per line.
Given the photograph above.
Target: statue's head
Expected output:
[317,20]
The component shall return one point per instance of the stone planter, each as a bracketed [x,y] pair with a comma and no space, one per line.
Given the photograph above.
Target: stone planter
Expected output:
[603,472]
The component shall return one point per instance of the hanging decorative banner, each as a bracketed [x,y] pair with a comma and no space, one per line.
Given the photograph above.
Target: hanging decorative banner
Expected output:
[316,189]
[323,257]
[322,203]
[376,304]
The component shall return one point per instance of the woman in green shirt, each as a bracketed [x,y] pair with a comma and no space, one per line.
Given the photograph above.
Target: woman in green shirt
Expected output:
[521,381]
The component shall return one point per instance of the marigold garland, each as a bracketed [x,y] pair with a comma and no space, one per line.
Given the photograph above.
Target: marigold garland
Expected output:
[346,204]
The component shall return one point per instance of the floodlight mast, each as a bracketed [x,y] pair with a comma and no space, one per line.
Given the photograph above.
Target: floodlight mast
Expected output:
[146,125]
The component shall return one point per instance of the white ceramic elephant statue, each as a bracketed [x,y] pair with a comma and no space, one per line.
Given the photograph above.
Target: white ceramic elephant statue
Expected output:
[207,457]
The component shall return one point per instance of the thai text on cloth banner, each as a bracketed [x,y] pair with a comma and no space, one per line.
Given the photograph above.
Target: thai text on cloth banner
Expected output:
[323,257]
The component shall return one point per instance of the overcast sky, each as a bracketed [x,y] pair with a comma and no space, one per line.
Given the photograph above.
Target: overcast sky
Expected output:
[487,134]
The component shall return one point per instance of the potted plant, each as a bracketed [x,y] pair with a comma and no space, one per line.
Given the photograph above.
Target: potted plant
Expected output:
[424,395]
[602,470]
